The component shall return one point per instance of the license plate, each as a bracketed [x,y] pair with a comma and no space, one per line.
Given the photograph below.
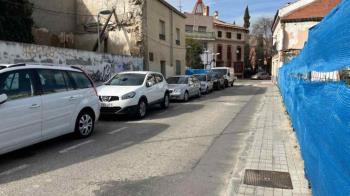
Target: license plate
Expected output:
[106,105]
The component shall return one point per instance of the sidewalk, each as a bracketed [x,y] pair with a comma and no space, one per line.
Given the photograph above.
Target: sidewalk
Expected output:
[271,146]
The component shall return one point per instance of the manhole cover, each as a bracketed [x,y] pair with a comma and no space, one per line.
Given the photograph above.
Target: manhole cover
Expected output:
[271,179]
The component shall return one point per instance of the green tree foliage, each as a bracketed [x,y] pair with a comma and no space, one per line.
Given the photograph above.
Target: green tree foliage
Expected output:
[262,31]
[16,20]
[246,18]
[193,54]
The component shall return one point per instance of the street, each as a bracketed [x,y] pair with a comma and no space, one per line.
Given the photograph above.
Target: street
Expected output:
[189,149]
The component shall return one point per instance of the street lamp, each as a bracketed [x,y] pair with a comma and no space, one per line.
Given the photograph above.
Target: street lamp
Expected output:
[103,12]
[207,52]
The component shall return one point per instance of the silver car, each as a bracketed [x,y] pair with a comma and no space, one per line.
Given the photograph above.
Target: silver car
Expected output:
[184,87]
[207,84]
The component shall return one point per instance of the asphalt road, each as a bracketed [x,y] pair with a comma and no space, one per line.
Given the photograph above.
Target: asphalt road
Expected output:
[189,149]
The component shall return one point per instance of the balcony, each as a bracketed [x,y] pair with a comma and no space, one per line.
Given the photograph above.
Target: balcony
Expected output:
[200,35]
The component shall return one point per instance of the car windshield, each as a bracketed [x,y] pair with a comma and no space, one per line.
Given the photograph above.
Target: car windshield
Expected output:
[177,80]
[202,78]
[127,80]
[220,71]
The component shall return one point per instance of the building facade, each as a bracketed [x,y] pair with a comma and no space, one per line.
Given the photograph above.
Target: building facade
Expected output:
[152,29]
[291,27]
[223,42]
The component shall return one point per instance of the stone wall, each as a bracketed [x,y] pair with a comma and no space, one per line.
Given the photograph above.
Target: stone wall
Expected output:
[99,66]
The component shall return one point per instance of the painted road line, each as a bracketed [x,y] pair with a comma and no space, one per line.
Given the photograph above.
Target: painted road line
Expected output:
[75,146]
[117,130]
[13,170]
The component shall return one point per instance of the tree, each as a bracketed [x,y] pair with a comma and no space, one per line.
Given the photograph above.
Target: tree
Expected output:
[246,18]
[193,54]
[262,32]
[16,21]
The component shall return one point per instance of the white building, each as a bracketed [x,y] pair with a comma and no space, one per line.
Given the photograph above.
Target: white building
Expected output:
[291,27]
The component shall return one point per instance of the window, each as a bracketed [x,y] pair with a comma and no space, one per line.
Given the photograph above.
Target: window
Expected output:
[151,56]
[52,81]
[151,79]
[161,30]
[219,33]
[189,28]
[127,80]
[17,84]
[202,29]
[239,53]
[177,36]
[80,80]
[239,36]
[229,53]
[205,45]
[219,49]
[228,35]
[162,68]
[159,78]
[177,80]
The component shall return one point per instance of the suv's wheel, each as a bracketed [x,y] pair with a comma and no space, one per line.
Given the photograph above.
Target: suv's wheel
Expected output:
[186,97]
[85,124]
[166,101]
[141,109]
[226,83]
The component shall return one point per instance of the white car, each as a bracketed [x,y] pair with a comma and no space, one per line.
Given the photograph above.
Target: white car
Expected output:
[132,93]
[228,73]
[207,84]
[39,102]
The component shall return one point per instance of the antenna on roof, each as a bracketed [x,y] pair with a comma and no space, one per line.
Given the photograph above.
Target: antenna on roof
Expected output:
[180,6]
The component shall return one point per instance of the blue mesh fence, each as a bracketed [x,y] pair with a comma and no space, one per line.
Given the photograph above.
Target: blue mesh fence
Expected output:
[316,92]
[196,71]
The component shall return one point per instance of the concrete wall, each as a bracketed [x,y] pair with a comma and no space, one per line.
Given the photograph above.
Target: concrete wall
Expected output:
[62,20]
[125,39]
[164,50]
[198,20]
[54,22]
[296,34]
[289,37]
[99,66]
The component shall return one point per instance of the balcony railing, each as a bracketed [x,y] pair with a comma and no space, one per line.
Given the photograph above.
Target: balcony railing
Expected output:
[201,35]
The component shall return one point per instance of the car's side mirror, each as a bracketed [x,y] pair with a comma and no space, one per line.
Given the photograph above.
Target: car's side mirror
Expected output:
[3,98]
[229,74]
[149,84]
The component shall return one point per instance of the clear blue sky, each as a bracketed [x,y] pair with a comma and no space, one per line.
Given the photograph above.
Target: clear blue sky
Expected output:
[233,10]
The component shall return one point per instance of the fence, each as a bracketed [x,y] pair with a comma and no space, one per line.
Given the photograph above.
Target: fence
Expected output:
[316,92]
[99,66]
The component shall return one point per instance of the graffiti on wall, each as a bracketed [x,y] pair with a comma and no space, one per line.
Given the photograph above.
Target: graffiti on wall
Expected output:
[99,66]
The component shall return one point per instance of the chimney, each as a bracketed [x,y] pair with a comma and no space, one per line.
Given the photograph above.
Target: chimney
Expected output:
[206,11]
[216,14]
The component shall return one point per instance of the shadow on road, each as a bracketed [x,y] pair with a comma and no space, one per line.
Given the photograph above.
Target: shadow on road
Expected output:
[47,156]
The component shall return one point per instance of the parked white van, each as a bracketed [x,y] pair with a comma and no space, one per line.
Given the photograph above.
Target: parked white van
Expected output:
[228,73]
[39,102]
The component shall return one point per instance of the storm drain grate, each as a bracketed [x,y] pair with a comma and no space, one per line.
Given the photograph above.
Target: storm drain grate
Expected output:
[271,179]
